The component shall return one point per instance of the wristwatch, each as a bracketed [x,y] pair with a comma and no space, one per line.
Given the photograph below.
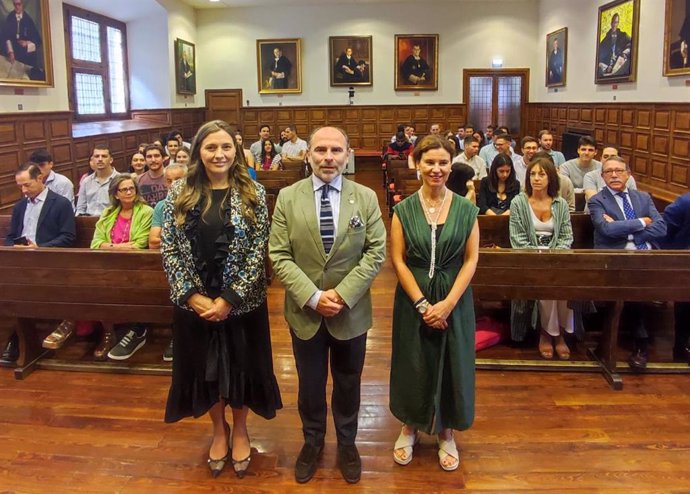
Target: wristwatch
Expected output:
[422,306]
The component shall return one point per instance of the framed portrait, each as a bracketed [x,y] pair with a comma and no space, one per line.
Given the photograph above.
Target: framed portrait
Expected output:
[279,65]
[557,57]
[350,60]
[617,30]
[25,53]
[185,67]
[416,62]
[677,38]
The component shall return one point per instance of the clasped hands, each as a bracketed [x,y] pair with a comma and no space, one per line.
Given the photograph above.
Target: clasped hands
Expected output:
[330,303]
[213,310]
[436,315]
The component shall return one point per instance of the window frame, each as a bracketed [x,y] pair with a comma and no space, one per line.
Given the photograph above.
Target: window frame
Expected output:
[99,68]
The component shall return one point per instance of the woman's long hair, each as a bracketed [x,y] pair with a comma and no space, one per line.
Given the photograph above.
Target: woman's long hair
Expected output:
[499,161]
[197,186]
[263,151]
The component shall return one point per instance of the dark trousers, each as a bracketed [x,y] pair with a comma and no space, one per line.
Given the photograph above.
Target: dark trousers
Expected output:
[633,313]
[347,361]
[681,311]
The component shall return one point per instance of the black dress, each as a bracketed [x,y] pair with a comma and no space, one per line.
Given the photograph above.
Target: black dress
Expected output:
[231,359]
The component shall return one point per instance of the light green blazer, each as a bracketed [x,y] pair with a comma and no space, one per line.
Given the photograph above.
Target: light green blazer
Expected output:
[301,264]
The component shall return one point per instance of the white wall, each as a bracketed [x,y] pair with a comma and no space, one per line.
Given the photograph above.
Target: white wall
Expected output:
[44,99]
[580,17]
[471,34]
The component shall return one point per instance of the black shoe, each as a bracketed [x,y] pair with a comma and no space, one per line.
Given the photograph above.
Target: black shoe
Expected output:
[638,360]
[217,466]
[11,352]
[305,466]
[349,463]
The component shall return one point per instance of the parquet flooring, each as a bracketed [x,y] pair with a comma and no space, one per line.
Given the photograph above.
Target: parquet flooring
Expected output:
[66,432]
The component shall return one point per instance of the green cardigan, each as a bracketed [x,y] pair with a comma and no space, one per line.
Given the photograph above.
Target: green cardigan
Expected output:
[522,234]
[138,232]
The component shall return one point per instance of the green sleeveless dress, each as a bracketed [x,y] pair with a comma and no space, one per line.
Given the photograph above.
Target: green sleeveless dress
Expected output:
[432,371]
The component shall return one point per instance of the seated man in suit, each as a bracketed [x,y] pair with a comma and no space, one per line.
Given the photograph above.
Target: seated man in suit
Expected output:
[677,218]
[626,219]
[41,219]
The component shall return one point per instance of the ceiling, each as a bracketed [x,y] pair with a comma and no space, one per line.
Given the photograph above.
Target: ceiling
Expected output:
[206,4]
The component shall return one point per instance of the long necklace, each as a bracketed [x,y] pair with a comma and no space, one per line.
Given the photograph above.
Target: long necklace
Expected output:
[434,224]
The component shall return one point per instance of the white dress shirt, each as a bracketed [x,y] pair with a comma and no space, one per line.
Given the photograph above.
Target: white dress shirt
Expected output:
[33,212]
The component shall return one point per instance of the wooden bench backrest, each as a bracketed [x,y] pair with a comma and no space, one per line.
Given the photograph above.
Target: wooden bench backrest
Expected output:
[505,274]
[494,230]
[85,228]
[84,284]
[291,176]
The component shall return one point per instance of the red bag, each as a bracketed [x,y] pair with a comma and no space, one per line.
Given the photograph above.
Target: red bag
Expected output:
[489,332]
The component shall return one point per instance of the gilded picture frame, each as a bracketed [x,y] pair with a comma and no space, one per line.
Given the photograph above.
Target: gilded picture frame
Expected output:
[617,35]
[556,58]
[351,61]
[416,62]
[279,65]
[185,67]
[26,57]
[677,38]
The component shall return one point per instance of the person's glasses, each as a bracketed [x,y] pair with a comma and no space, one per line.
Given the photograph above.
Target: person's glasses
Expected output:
[617,171]
[126,190]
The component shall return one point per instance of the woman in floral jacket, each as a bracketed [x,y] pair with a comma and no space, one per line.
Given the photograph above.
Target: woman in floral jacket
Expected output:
[213,242]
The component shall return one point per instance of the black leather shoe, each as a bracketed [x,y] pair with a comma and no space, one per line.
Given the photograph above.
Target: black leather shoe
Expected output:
[11,352]
[305,466]
[349,463]
[638,360]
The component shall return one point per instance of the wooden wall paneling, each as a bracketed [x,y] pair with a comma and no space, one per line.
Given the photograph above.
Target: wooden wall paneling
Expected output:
[599,135]
[9,195]
[658,170]
[403,115]
[681,147]
[626,139]
[131,142]
[9,162]
[679,174]
[642,142]
[660,144]
[562,113]
[640,164]
[662,119]
[8,133]
[611,136]
[600,115]
[62,154]
[224,104]
[574,115]
[586,115]
[681,122]
[644,118]
[34,130]
[612,116]
[369,114]
[628,117]
[82,150]
[419,115]
[60,128]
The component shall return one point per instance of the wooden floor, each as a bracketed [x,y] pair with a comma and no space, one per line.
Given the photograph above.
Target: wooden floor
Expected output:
[553,432]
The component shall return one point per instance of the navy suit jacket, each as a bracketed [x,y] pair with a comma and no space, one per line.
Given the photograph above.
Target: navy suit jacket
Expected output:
[677,217]
[614,235]
[56,225]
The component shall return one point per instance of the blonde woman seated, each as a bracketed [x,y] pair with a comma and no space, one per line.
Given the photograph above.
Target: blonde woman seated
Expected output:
[540,219]
[124,225]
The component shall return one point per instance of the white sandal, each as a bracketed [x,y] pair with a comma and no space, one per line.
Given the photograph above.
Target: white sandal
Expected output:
[446,448]
[406,443]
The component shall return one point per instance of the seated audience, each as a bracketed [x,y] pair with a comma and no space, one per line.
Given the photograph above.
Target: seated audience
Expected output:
[498,189]
[56,182]
[540,219]
[529,149]
[178,135]
[500,144]
[470,157]
[152,183]
[172,145]
[479,135]
[124,225]
[677,218]
[270,158]
[450,137]
[593,182]
[93,190]
[546,145]
[137,165]
[626,219]
[248,156]
[565,186]
[577,168]
[467,132]
[489,134]
[173,172]
[142,147]
[400,148]
[295,149]
[182,157]
[42,218]
[265,135]
[460,181]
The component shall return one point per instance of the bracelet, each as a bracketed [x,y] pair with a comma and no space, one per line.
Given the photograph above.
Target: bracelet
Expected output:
[419,302]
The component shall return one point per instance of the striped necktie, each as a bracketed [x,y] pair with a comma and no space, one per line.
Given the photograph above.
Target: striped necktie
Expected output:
[327,226]
[630,215]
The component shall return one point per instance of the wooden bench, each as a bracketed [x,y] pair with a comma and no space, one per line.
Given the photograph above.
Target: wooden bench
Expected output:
[290,176]
[599,275]
[85,228]
[494,231]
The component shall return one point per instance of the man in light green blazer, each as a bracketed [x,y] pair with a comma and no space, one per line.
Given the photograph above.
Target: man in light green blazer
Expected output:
[327,245]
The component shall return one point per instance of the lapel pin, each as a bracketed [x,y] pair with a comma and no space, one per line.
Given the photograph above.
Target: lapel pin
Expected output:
[352,201]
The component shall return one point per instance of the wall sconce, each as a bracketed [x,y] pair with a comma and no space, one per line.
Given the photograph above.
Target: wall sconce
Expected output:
[497,63]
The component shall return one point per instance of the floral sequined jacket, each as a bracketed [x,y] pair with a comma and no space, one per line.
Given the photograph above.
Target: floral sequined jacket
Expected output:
[241,253]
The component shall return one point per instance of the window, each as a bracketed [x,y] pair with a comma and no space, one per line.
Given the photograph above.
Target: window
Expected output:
[97,65]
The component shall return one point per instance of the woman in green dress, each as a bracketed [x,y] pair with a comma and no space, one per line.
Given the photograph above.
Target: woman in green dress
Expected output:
[434,249]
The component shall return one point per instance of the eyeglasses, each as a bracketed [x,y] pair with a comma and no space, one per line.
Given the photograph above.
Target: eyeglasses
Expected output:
[124,190]
[617,171]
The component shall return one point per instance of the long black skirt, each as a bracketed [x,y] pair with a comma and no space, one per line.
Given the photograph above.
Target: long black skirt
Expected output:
[230,360]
